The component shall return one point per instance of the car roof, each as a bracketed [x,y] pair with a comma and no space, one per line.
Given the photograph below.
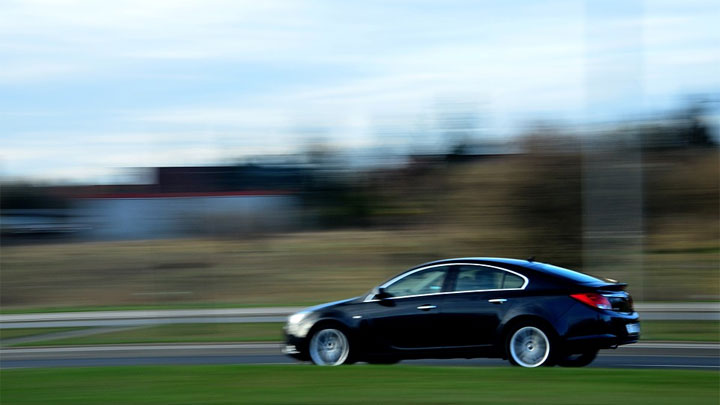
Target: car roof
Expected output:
[544,268]
[502,260]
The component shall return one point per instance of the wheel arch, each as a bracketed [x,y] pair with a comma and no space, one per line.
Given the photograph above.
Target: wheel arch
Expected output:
[523,320]
[330,322]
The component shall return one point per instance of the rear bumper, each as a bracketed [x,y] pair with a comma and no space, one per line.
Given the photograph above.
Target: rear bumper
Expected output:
[605,341]
[603,330]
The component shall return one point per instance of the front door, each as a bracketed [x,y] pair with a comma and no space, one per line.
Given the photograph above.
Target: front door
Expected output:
[408,319]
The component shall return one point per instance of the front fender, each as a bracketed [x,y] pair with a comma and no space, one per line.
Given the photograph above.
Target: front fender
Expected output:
[303,328]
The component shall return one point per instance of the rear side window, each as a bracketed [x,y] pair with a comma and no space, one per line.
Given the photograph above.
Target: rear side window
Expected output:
[472,278]
[513,281]
[566,273]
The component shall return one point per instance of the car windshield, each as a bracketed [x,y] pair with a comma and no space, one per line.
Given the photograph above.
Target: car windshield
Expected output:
[567,273]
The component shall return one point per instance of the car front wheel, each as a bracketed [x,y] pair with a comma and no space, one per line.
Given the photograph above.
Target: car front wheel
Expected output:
[529,346]
[329,347]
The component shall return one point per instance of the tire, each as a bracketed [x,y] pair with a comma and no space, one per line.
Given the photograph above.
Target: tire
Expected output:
[578,360]
[329,347]
[530,345]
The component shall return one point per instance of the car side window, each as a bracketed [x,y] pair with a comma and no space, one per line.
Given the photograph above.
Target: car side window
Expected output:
[426,281]
[513,281]
[471,278]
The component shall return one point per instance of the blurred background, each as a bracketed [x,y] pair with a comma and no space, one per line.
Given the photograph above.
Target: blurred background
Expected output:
[231,153]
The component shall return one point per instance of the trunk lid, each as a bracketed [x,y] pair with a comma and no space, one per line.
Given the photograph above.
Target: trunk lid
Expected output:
[620,301]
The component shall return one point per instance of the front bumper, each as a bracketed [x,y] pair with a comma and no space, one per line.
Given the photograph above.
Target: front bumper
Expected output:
[290,350]
[295,347]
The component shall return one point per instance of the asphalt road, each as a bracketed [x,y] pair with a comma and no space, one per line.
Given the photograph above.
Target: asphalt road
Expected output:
[641,355]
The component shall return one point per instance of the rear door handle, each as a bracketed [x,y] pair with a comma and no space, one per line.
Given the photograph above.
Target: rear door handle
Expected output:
[497,300]
[426,307]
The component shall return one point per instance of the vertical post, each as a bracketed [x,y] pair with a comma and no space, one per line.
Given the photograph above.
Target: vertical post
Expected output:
[612,155]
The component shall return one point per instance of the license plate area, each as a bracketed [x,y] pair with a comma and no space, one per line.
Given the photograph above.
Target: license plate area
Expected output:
[632,328]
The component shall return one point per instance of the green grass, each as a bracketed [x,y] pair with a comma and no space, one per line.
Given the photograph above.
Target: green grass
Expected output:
[179,305]
[705,331]
[355,385]
[25,332]
[178,333]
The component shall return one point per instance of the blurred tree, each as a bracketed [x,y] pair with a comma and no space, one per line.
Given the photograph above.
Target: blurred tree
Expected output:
[697,132]
[547,204]
[688,128]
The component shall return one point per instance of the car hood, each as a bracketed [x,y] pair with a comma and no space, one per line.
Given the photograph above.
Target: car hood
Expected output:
[328,305]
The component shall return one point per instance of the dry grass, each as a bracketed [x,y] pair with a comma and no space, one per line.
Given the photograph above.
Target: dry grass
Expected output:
[300,268]
[292,270]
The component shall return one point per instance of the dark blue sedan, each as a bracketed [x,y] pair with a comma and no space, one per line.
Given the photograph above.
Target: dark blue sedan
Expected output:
[528,312]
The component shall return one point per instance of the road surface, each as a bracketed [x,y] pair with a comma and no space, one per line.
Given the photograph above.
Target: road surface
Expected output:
[700,356]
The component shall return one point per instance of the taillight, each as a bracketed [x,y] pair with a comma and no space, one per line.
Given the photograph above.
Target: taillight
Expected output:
[593,299]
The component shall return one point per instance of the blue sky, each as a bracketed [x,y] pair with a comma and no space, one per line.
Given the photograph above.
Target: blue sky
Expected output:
[89,87]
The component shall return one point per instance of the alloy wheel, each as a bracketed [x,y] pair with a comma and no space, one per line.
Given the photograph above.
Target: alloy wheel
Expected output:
[529,347]
[329,347]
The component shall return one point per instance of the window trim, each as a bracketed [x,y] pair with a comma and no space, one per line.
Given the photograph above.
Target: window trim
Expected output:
[371,297]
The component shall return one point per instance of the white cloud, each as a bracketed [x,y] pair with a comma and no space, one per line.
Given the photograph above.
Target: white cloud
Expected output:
[337,66]
[50,39]
[38,70]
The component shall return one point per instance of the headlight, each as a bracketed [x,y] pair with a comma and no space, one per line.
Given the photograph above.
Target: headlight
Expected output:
[296,318]
[295,325]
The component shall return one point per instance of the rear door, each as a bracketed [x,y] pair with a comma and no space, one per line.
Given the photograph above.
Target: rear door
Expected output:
[478,298]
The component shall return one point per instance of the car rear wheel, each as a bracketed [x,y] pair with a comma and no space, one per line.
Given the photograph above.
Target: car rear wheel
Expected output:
[579,359]
[329,347]
[529,346]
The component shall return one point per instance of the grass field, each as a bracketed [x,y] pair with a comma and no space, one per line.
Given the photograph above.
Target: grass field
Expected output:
[299,384]
[149,307]
[296,269]
[706,331]
[176,333]
[25,332]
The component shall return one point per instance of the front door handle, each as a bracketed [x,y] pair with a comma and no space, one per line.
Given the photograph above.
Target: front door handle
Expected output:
[426,307]
[497,300]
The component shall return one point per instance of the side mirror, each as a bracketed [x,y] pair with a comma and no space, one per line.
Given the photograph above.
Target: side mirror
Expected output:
[381,294]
